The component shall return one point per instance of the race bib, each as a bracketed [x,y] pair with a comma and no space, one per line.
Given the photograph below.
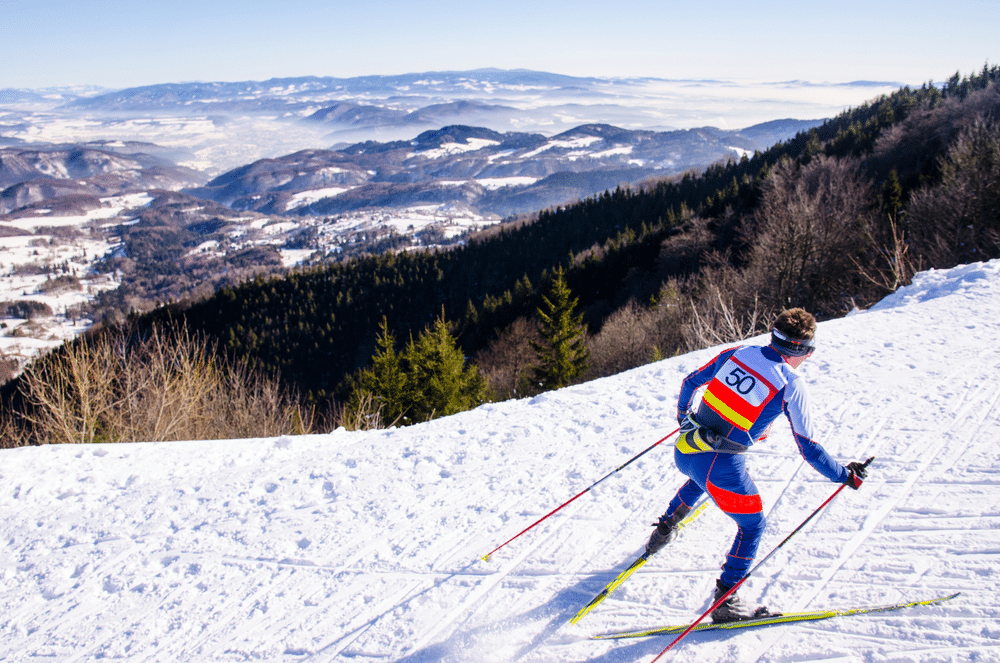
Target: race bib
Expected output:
[738,393]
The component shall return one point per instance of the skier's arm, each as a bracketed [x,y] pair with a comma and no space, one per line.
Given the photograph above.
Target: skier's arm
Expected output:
[796,408]
[697,379]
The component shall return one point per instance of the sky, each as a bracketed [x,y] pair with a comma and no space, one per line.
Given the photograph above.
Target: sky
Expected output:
[126,43]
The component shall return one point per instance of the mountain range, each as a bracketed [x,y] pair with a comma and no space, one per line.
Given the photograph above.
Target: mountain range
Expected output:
[494,142]
[488,171]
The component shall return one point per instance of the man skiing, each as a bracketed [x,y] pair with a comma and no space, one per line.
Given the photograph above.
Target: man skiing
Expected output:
[747,388]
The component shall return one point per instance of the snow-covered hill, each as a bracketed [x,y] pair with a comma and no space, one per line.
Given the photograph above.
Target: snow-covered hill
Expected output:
[365,546]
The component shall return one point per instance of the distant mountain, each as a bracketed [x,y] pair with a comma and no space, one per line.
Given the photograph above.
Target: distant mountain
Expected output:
[304,90]
[218,126]
[29,176]
[489,171]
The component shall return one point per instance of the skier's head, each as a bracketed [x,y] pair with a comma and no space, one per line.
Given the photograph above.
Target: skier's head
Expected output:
[793,333]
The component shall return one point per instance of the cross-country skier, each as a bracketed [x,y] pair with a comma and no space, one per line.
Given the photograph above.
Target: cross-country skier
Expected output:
[747,388]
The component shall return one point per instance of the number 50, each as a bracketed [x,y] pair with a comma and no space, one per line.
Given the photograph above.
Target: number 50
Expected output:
[739,380]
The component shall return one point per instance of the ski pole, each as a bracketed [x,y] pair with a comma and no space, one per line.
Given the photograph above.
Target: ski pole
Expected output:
[486,557]
[732,589]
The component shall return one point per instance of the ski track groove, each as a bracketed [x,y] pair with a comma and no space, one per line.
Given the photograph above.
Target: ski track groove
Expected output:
[195,644]
[64,615]
[362,623]
[257,604]
[480,591]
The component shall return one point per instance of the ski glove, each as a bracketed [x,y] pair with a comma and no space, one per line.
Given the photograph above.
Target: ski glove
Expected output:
[688,423]
[856,474]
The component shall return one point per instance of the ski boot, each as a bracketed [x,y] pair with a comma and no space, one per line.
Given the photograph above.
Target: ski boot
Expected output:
[733,609]
[666,530]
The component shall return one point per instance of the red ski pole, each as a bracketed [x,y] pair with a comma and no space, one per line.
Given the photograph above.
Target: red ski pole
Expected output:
[732,589]
[486,557]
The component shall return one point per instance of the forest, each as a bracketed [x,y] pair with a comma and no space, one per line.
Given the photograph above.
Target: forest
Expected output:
[833,219]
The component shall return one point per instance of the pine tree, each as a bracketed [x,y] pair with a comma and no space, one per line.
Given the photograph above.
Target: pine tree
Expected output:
[385,381]
[441,382]
[562,355]
[892,194]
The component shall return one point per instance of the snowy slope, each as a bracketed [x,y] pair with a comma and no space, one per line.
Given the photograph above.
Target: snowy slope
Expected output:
[365,546]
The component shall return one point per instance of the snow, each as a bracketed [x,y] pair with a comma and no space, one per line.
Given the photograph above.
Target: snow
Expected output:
[501,182]
[567,144]
[304,198]
[446,149]
[367,545]
[452,219]
[51,248]
[627,149]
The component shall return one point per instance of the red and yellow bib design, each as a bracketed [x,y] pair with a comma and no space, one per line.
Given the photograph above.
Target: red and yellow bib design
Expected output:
[738,393]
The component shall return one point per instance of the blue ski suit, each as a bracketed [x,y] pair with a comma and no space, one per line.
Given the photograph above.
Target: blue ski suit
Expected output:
[746,388]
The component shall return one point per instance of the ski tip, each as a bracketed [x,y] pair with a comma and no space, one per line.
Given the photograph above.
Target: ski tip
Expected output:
[485,558]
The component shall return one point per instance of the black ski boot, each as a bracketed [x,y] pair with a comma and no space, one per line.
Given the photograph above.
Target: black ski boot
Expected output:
[733,609]
[666,530]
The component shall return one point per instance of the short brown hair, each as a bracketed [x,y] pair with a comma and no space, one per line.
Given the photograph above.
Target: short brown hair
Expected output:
[796,323]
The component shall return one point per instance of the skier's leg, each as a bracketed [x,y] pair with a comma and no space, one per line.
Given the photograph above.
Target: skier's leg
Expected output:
[678,509]
[684,499]
[736,494]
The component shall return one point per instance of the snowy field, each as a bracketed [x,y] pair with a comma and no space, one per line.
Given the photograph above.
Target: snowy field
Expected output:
[366,546]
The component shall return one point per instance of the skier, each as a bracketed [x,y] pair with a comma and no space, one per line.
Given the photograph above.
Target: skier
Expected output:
[747,388]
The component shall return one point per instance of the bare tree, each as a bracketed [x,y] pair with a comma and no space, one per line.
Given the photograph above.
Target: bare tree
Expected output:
[958,220]
[507,360]
[812,220]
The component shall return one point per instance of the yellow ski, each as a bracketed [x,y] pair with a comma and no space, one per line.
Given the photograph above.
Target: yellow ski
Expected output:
[633,567]
[771,619]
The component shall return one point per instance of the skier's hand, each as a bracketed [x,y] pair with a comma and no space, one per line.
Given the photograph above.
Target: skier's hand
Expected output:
[856,474]
[688,424]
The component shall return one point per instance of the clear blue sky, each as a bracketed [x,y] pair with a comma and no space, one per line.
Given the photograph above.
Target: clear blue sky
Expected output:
[120,43]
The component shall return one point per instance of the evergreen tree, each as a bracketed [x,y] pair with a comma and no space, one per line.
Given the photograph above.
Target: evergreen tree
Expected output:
[892,194]
[385,381]
[429,379]
[442,383]
[562,355]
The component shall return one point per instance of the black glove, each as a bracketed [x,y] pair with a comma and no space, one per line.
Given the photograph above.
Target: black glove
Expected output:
[856,474]
[688,423]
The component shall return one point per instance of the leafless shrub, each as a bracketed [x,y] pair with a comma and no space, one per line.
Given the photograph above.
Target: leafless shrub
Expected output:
[115,388]
[10,436]
[72,395]
[895,267]
[506,361]
[628,339]
[365,414]
[716,319]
